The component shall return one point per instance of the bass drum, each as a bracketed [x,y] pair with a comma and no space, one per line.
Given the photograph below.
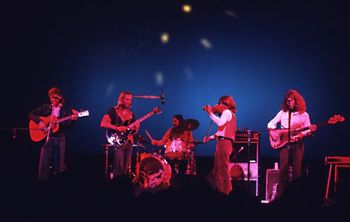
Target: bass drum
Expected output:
[153,172]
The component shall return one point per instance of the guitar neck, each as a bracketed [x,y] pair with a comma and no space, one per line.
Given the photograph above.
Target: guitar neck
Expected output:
[64,119]
[141,119]
[308,127]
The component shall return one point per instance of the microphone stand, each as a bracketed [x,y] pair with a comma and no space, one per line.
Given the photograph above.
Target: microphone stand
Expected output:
[15,131]
[209,128]
[48,131]
[290,167]
[248,160]
[161,97]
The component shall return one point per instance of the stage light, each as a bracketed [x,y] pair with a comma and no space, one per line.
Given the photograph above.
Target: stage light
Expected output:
[164,38]
[187,8]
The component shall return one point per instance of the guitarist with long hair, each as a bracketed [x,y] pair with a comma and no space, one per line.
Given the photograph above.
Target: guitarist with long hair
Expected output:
[292,115]
[117,119]
[52,153]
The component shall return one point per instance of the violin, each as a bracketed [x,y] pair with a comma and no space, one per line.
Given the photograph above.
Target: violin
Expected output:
[216,109]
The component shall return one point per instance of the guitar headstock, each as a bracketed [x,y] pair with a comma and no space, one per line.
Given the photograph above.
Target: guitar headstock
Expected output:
[83,113]
[335,119]
[156,110]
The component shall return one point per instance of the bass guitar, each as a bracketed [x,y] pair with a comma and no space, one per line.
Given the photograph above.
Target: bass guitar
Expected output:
[37,134]
[119,138]
[279,137]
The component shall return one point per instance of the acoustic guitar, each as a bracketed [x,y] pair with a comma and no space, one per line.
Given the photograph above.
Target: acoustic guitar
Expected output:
[52,125]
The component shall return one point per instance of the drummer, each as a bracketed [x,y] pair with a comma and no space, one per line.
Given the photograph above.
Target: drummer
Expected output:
[179,135]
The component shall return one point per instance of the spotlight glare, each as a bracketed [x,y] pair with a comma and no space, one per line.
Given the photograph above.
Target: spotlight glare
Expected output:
[186,8]
[206,43]
[164,38]
[159,77]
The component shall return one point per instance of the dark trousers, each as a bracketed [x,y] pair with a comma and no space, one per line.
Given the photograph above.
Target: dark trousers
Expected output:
[52,157]
[122,160]
[291,156]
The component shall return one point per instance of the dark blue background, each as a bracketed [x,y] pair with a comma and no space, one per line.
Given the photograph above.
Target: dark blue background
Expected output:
[95,49]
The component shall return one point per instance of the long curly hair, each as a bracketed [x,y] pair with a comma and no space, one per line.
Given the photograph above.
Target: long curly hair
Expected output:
[300,104]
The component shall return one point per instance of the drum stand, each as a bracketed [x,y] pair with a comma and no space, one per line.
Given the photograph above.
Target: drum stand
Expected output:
[137,165]
[191,164]
[108,175]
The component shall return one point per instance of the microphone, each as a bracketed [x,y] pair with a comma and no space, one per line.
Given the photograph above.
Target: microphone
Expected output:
[162,98]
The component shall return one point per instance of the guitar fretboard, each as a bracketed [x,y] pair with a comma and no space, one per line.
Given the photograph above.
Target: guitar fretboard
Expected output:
[141,119]
[308,127]
[64,119]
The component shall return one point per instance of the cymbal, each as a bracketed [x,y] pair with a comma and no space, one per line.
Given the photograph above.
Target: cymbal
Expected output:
[191,124]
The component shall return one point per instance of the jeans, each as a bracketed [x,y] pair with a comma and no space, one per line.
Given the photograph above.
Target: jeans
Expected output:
[52,157]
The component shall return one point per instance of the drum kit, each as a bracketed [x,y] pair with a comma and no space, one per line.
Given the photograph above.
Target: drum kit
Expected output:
[156,170]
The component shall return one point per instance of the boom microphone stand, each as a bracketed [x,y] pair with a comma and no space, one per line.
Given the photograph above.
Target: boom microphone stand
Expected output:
[248,160]
[290,167]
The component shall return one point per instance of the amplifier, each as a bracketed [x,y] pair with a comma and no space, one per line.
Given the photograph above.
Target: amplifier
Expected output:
[244,151]
[237,169]
[242,135]
[239,174]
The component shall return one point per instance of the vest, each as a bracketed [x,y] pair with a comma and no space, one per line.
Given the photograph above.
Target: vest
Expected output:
[230,127]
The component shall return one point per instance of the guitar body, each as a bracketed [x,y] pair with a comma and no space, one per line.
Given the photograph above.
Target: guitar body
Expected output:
[118,138]
[278,138]
[37,134]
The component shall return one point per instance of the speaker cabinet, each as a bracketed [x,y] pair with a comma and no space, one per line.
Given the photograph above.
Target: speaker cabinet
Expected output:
[246,155]
[245,151]
[239,172]
[271,184]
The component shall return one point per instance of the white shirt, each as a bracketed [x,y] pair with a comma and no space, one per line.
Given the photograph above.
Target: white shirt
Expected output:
[298,120]
[221,121]
[56,111]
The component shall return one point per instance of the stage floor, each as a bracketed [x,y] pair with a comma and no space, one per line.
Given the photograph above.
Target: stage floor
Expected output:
[83,193]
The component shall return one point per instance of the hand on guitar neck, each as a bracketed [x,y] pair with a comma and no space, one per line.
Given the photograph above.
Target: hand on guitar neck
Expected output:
[75,114]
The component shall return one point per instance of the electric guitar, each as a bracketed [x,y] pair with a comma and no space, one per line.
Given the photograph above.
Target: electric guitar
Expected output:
[279,137]
[119,138]
[37,134]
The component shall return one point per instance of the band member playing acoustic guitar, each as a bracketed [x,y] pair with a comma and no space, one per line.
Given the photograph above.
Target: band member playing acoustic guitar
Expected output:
[117,119]
[293,115]
[224,137]
[52,153]
[178,143]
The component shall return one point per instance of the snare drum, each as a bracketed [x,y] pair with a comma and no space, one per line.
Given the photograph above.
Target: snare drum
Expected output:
[153,171]
[175,149]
